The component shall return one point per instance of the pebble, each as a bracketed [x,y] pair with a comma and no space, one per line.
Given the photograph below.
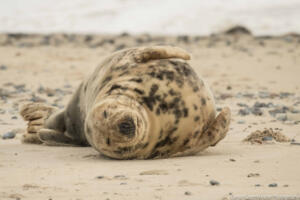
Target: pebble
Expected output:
[253,175]
[99,177]
[187,193]
[267,138]
[9,135]
[244,112]
[256,111]
[285,95]
[273,185]
[264,95]
[232,160]
[279,109]
[257,185]
[281,117]
[241,122]
[295,143]
[3,67]
[262,105]
[242,104]
[214,182]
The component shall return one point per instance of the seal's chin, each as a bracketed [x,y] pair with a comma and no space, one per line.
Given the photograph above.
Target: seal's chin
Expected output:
[116,124]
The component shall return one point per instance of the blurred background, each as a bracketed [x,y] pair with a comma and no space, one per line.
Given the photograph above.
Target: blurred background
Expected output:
[262,17]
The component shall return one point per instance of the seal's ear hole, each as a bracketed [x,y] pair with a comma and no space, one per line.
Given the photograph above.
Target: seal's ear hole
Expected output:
[127,127]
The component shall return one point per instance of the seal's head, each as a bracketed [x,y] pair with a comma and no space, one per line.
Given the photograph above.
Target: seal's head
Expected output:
[116,125]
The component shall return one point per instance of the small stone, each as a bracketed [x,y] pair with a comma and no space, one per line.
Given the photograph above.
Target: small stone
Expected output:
[257,185]
[3,67]
[214,182]
[278,109]
[262,105]
[242,105]
[241,122]
[229,87]
[285,94]
[295,143]
[281,117]
[264,95]
[14,117]
[267,138]
[232,160]
[123,183]
[244,112]
[99,177]
[20,88]
[273,185]
[187,193]
[285,185]
[253,175]
[9,135]
[256,111]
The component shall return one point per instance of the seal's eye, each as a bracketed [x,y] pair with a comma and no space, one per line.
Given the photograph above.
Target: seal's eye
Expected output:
[127,127]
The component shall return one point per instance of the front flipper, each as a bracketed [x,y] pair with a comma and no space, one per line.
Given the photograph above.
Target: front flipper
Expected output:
[36,115]
[213,134]
[53,137]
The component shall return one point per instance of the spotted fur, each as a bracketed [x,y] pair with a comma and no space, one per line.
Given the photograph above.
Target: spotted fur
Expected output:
[141,103]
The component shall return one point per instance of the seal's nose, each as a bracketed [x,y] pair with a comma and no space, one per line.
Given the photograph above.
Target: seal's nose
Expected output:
[127,127]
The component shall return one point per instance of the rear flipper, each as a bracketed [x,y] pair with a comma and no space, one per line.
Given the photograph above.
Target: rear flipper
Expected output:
[160,52]
[214,134]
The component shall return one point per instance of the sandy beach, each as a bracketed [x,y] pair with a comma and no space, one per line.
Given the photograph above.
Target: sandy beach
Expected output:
[257,77]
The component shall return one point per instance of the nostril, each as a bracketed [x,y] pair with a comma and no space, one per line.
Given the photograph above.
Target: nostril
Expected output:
[127,127]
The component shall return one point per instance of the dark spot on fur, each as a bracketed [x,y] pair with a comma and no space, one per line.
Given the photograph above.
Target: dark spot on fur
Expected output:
[172,92]
[161,133]
[171,131]
[153,89]
[196,133]
[196,118]
[195,107]
[138,80]
[163,142]
[149,101]
[141,92]
[157,111]
[163,106]
[154,154]
[203,101]
[185,112]
[124,73]
[195,88]
[209,133]
[105,114]
[115,87]
[127,127]
[186,141]
[121,68]
[145,145]
[107,79]
[108,141]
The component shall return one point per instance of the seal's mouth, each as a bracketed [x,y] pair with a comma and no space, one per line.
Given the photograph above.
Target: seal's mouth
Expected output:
[127,127]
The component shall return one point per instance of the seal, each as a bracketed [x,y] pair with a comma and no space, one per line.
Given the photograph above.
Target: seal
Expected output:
[139,103]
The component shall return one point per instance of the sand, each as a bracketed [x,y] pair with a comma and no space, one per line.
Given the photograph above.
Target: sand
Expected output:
[257,77]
